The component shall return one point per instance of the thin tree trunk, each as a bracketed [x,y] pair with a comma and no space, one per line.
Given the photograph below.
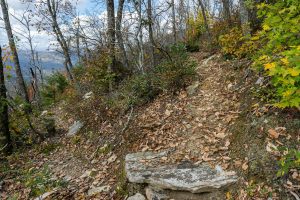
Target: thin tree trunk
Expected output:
[111,37]
[119,33]
[150,29]
[141,43]
[60,37]
[174,21]
[244,18]
[6,143]
[205,19]
[226,11]
[12,45]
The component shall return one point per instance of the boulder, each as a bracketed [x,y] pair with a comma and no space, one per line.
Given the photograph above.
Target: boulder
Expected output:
[75,128]
[137,196]
[88,95]
[97,190]
[157,194]
[192,88]
[144,167]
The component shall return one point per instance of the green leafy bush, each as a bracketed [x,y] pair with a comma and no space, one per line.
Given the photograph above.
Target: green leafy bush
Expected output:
[290,160]
[280,56]
[170,75]
[174,73]
[235,44]
[40,181]
[54,87]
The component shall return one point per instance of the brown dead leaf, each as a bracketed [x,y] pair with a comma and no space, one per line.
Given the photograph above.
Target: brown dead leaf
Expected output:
[245,166]
[220,135]
[273,134]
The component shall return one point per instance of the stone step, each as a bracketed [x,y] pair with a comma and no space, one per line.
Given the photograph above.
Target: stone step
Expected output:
[146,168]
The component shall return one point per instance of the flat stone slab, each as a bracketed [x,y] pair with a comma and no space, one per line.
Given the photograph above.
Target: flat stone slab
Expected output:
[144,167]
[75,128]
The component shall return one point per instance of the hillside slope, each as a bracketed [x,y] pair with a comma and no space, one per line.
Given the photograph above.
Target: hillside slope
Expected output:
[209,122]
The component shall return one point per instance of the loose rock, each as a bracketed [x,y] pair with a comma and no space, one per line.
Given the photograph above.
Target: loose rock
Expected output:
[185,177]
[137,196]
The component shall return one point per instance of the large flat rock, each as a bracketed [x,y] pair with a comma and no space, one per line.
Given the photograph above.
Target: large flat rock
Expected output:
[144,167]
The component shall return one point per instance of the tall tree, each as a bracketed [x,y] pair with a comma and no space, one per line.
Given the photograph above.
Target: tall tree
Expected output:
[5,138]
[53,6]
[12,45]
[26,21]
[226,11]
[174,21]
[244,17]
[119,33]
[204,18]
[150,29]
[111,36]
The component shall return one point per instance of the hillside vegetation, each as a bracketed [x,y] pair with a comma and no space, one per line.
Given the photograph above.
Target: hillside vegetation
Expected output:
[218,88]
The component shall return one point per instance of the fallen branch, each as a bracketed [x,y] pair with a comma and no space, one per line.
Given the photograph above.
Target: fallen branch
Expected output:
[128,120]
[3,147]
[295,195]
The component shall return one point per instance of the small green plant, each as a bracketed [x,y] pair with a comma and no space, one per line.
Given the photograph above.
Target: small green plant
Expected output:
[54,87]
[174,73]
[47,148]
[290,160]
[40,181]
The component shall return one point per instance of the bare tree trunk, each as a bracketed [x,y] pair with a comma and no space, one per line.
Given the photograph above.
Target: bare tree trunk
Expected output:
[111,38]
[12,45]
[244,17]
[6,143]
[150,29]
[205,19]
[174,21]
[226,11]
[59,36]
[141,43]
[119,33]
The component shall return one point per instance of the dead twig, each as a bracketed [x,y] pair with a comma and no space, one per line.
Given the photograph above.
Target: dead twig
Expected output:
[128,120]
[295,195]
[3,147]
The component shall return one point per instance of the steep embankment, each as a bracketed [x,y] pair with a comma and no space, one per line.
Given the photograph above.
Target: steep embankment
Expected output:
[209,122]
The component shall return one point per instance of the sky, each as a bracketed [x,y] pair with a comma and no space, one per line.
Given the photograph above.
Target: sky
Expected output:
[41,39]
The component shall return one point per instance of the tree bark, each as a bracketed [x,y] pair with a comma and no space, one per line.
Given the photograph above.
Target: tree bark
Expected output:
[205,19]
[174,21]
[111,38]
[6,143]
[12,45]
[150,29]
[226,11]
[119,33]
[244,18]
[141,43]
[60,37]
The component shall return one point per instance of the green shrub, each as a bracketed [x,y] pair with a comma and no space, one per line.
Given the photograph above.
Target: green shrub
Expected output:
[280,56]
[54,87]
[170,75]
[174,73]
[290,160]
[40,181]
[235,44]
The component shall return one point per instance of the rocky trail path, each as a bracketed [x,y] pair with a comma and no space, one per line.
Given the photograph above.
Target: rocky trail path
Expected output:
[192,126]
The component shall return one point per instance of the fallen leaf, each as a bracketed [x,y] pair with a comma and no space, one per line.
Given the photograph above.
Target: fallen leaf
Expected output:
[245,166]
[273,134]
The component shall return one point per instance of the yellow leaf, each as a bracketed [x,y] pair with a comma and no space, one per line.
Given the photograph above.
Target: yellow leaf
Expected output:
[270,66]
[266,27]
[293,71]
[285,61]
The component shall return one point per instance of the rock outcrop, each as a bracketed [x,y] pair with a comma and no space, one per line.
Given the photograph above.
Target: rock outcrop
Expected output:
[145,168]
